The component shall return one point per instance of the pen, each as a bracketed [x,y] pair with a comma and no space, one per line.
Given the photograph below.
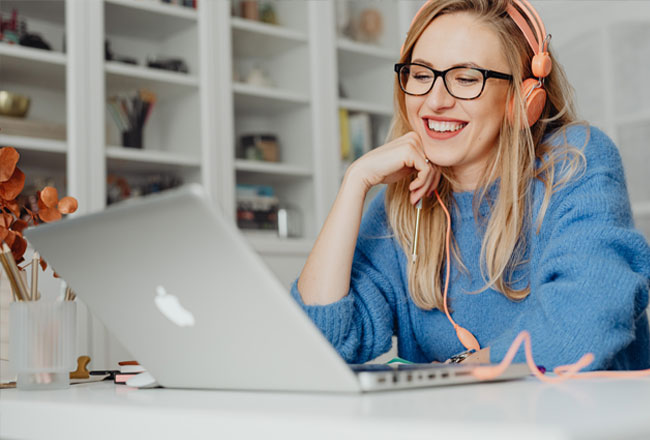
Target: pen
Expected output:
[414,254]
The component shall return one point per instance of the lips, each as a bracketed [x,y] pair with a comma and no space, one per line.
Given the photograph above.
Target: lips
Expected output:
[443,128]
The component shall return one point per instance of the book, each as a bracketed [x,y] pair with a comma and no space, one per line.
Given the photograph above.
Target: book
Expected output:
[344,129]
[360,134]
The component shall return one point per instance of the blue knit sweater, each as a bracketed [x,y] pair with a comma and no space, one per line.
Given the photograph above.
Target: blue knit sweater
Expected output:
[589,273]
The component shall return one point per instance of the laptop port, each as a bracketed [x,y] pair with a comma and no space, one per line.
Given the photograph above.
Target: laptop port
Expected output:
[395,378]
[431,376]
[463,373]
[444,375]
[409,377]
[381,379]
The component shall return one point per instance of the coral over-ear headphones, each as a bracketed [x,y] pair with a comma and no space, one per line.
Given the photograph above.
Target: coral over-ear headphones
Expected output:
[532,89]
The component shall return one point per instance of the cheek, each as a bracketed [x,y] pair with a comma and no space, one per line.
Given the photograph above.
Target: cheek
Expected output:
[412,108]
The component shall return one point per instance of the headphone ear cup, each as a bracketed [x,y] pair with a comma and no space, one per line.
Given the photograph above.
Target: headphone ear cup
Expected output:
[535,102]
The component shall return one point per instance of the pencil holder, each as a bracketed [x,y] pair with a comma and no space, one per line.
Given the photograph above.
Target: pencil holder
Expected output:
[42,340]
[132,138]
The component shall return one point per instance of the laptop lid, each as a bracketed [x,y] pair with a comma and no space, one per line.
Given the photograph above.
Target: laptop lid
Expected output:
[182,290]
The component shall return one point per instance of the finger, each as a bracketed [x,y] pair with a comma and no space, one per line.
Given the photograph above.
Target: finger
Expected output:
[423,174]
[436,176]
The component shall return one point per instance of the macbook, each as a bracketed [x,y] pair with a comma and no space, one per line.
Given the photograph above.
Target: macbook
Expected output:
[180,287]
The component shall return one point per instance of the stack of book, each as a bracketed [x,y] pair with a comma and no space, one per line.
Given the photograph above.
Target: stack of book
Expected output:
[257,208]
[128,370]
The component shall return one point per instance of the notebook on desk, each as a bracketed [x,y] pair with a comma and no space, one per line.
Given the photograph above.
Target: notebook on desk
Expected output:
[180,287]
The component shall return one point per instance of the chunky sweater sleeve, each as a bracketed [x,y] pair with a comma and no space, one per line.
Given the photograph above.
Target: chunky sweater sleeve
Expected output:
[590,283]
[360,325]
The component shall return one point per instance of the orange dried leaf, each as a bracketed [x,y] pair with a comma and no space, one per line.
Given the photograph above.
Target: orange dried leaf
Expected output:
[9,239]
[10,189]
[67,205]
[19,225]
[3,233]
[8,160]
[18,248]
[49,196]
[43,264]
[49,215]
[13,207]
[6,220]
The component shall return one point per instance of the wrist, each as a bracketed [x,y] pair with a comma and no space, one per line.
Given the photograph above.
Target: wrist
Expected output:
[354,181]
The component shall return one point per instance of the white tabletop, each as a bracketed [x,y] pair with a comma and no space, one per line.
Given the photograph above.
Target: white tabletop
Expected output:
[589,409]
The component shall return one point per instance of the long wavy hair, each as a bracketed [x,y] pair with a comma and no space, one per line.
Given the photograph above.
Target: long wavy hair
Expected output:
[518,157]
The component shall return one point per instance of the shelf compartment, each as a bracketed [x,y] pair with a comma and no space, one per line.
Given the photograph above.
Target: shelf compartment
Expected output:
[278,169]
[124,77]
[47,10]
[255,39]
[147,20]
[37,67]
[256,99]
[368,107]
[50,160]
[371,51]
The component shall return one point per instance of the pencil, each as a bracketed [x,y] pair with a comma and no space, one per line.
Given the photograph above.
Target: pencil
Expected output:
[414,254]
[13,273]
[35,263]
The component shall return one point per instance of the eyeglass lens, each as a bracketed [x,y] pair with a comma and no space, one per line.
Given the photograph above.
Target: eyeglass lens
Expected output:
[461,82]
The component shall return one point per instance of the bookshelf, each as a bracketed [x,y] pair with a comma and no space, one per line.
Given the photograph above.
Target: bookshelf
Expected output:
[200,116]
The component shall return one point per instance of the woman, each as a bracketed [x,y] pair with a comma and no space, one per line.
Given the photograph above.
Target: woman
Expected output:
[541,227]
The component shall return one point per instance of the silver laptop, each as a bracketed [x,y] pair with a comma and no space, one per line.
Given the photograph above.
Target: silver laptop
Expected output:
[182,290]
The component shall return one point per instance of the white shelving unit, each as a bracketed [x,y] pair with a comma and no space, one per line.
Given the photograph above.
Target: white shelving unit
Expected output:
[199,116]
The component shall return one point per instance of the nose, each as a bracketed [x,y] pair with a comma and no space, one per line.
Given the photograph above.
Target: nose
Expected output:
[438,97]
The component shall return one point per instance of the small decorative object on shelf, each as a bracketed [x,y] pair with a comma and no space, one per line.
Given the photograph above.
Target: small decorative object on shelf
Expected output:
[185,3]
[371,26]
[289,221]
[13,104]
[14,31]
[259,77]
[173,64]
[267,13]
[259,147]
[130,113]
[118,188]
[110,56]
[344,23]
[250,10]
[257,208]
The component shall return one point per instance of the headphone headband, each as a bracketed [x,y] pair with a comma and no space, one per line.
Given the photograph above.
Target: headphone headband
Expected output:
[537,39]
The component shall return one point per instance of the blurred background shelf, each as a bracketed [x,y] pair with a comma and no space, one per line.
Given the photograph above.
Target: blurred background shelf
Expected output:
[35,144]
[33,67]
[146,19]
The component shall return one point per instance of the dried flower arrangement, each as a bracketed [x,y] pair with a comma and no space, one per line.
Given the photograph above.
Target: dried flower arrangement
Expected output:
[14,219]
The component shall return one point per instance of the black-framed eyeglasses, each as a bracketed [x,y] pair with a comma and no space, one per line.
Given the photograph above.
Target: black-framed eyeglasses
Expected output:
[461,82]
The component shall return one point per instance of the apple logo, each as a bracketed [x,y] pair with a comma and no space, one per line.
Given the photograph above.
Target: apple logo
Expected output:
[172,308]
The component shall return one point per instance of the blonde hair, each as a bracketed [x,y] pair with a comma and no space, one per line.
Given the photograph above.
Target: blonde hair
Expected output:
[513,162]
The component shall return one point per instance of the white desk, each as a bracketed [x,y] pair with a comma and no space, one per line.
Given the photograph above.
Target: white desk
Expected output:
[525,409]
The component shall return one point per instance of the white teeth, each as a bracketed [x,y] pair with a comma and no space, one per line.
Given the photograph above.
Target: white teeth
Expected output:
[445,126]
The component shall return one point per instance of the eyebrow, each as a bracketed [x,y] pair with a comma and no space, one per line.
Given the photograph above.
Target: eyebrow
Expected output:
[426,63]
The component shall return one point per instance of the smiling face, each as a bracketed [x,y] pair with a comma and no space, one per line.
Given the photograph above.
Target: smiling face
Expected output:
[457,133]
